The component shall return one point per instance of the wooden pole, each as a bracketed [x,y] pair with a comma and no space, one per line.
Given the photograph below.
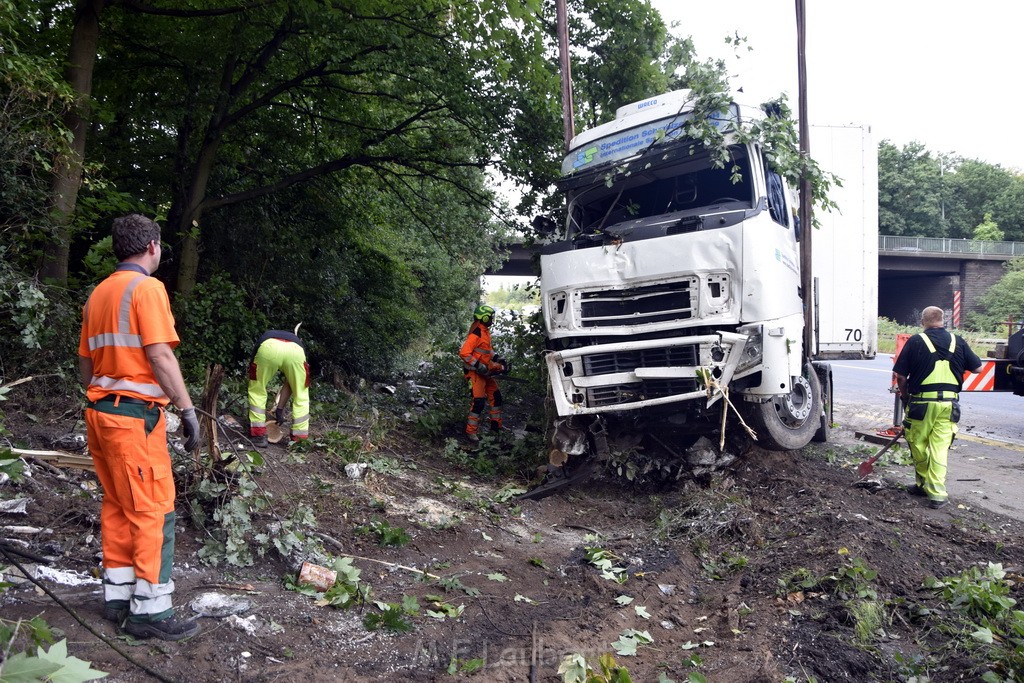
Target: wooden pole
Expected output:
[806,217]
[565,67]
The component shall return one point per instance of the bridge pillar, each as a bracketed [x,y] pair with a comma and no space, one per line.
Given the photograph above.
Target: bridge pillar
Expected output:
[975,279]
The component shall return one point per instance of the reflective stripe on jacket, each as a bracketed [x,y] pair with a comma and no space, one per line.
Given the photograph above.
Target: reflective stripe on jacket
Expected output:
[477,346]
[125,313]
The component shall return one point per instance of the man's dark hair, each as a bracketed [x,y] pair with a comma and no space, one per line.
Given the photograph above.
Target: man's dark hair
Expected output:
[132,234]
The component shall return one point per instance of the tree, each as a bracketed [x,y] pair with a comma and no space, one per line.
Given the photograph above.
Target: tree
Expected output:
[988,230]
[910,191]
[1009,208]
[1004,299]
[975,188]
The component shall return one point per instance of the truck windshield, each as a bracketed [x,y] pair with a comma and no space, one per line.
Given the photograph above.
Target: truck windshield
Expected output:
[676,189]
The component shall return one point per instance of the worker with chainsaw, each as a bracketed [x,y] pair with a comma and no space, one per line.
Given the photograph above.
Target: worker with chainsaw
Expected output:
[279,350]
[130,373]
[480,367]
[929,374]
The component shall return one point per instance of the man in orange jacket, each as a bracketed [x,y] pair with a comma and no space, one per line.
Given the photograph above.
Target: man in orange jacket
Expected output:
[480,368]
[127,364]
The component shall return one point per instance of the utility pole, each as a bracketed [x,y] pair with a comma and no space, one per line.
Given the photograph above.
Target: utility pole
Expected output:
[566,70]
[806,217]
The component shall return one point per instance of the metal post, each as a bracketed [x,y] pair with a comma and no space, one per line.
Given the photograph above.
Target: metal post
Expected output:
[566,68]
[806,218]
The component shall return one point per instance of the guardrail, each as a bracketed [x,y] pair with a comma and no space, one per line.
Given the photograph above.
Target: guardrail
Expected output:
[948,245]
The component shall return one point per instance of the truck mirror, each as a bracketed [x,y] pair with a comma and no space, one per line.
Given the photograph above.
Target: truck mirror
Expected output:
[545,226]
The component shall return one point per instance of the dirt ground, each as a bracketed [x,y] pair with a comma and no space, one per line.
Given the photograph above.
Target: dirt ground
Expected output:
[751,576]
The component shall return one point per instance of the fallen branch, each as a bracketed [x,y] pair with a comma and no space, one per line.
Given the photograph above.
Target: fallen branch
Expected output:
[25,379]
[394,566]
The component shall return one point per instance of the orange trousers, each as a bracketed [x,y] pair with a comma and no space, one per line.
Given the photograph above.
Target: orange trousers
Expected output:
[128,444]
[484,391]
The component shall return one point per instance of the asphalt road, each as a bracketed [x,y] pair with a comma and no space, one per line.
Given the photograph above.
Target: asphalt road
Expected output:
[986,461]
[864,385]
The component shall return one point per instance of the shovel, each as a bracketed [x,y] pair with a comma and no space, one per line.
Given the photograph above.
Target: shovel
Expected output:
[868,466]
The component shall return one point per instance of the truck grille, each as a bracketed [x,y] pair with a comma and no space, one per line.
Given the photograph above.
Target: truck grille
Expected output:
[638,391]
[627,361]
[639,305]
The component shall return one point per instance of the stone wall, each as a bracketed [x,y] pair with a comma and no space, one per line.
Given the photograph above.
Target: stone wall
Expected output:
[976,277]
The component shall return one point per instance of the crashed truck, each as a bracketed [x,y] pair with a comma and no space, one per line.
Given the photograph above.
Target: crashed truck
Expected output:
[675,286]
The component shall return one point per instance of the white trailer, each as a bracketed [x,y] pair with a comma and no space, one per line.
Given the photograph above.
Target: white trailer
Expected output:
[845,248]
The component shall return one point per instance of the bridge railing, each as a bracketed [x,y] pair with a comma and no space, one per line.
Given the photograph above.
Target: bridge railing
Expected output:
[949,245]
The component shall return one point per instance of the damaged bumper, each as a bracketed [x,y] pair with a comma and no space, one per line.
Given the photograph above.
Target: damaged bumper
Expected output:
[637,374]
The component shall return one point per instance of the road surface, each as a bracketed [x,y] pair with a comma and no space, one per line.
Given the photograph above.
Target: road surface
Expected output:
[986,462]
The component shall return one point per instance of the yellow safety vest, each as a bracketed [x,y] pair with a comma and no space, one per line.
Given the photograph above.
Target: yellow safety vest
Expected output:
[941,383]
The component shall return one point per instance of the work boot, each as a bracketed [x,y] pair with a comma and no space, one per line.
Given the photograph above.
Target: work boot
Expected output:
[115,610]
[171,628]
[472,439]
[916,490]
[935,504]
[259,441]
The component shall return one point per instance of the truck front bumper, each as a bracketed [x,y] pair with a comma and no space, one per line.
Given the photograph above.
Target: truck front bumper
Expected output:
[637,374]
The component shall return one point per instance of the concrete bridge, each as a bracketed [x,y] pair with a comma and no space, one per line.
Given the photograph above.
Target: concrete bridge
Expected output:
[913,272]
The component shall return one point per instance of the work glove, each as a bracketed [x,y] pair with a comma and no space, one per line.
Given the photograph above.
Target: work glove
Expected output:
[190,426]
[480,367]
[496,368]
[279,415]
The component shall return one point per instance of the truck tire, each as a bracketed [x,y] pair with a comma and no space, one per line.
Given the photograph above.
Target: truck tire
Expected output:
[824,372]
[789,423]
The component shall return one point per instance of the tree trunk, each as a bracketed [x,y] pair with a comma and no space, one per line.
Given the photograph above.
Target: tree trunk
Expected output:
[67,176]
[188,227]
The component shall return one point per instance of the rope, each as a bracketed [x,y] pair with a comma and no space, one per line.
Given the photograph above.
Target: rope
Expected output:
[713,387]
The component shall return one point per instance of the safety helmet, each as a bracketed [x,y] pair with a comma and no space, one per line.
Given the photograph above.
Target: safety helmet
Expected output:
[483,313]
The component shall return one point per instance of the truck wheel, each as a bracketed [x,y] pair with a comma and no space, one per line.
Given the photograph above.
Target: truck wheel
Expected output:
[824,372]
[788,423]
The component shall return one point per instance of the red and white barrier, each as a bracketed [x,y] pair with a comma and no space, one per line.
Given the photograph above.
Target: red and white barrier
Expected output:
[983,380]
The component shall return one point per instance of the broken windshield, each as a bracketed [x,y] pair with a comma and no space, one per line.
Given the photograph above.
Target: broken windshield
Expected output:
[690,186]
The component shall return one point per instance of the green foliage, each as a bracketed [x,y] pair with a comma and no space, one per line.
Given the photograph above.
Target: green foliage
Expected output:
[33,138]
[392,616]
[868,620]
[1003,299]
[605,560]
[988,229]
[99,261]
[30,316]
[514,298]
[465,666]
[39,324]
[575,669]
[216,325]
[229,516]
[727,563]
[921,193]
[347,590]
[48,665]
[910,191]
[981,598]
[385,534]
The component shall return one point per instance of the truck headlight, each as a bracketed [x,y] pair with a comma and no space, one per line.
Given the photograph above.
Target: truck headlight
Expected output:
[753,350]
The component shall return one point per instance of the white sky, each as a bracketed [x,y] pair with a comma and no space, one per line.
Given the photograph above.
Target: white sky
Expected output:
[946,74]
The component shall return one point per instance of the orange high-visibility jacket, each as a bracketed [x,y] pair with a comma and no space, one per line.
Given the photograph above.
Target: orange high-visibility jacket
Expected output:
[125,313]
[477,346]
